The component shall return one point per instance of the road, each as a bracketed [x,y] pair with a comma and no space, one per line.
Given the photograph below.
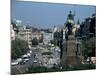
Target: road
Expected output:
[36,55]
[22,68]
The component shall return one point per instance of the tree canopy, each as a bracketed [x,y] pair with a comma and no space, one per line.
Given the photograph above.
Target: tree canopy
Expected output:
[34,41]
[89,47]
[18,48]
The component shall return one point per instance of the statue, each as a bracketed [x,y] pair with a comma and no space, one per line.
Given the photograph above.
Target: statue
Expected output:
[70,22]
[70,18]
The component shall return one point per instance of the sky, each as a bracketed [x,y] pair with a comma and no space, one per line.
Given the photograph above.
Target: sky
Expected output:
[48,15]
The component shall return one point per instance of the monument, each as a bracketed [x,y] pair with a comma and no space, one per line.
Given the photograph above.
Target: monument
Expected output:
[70,22]
[69,56]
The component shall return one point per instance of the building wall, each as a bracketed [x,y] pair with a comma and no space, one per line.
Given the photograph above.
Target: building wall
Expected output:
[37,35]
[25,34]
[12,33]
[47,37]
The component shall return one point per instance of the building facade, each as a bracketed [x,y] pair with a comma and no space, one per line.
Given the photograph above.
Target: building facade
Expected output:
[47,37]
[25,33]
[13,33]
[37,35]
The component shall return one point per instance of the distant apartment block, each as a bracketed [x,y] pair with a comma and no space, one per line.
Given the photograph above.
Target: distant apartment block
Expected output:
[37,35]
[25,33]
[47,37]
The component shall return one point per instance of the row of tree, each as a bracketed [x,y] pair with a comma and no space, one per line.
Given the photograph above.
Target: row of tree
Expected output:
[89,47]
[87,33]
[18,48]
[58,69]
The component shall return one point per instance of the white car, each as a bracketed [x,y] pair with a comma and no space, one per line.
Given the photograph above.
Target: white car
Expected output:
[14,63]
[35,61]
[25,56]
[29,54]
[52,45]
[30,51]
[19,60]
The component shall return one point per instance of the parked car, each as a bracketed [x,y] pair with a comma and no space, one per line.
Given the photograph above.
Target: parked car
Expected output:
[30,51]
[14,63]
[25,56]
[19,59]
[35,61]
[28,54]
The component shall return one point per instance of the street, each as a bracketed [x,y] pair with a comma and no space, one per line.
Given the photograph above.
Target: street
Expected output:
[21,68]
[38,59]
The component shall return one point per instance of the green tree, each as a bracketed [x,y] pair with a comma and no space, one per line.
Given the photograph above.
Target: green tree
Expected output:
[35,42]
[89,47]
[18,48]
[41,69]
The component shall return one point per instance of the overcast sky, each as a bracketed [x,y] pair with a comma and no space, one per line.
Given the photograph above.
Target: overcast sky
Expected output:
[47,15]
